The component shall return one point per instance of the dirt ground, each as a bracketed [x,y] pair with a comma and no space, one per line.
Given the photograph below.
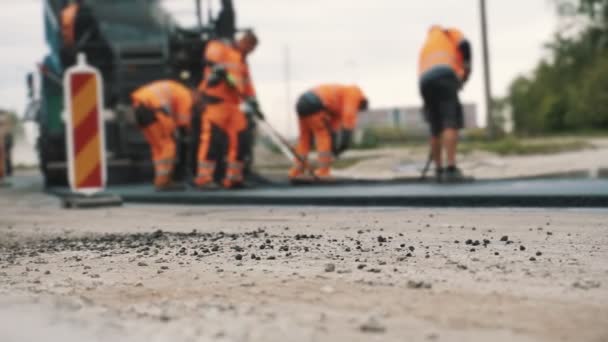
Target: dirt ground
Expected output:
[407,162]
[179,273]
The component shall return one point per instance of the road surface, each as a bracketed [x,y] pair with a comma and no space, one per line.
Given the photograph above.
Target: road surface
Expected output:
[190,273]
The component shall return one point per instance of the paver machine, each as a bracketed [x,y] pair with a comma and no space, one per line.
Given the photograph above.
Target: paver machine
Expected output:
[132,42]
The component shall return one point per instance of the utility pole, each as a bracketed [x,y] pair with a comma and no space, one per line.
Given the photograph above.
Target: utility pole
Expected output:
[287,70]
[210,11]
[199,15]
[486,68]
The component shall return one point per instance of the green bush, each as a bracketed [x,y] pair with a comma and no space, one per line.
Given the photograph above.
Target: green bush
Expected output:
[375,137]
[475,134]
[569,91]
[514,146]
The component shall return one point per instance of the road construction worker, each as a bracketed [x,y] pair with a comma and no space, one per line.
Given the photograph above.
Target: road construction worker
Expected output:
[161,109]
[444,68]
[80,33]
[227,83]
[68,23]
[70,35]
[329,114]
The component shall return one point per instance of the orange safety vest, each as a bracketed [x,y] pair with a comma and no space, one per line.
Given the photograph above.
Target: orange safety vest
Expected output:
[168,96]
[441,50]
[68,25]
[219,53]
[342,102]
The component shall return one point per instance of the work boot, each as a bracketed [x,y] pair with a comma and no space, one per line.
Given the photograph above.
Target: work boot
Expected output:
[234,175]
[299,175]
[162,181]
[302,179]
[206,186]
[323,175]
[234,185]
[296,172]
[170,187]
[453,174]
[439,172]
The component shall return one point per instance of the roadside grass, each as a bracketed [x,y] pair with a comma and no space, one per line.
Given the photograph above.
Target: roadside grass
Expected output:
[25,167]
[477,140]
[339,164]
[507,146]
[513,146]
[472,141]
[345,163]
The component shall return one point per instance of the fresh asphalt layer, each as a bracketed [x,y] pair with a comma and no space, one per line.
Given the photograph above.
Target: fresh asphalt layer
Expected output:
[505,193]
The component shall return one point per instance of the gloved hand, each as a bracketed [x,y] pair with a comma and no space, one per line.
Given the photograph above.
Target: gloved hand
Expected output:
[345,142]
[179,134]
[217,76]
[253,107]
[144,116]
[467,74]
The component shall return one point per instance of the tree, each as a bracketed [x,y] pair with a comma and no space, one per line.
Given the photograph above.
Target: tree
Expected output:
[569,90]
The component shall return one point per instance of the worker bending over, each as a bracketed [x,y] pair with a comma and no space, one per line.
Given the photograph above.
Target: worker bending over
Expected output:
[161,108]
[227,83]
[444,68]
[329,114]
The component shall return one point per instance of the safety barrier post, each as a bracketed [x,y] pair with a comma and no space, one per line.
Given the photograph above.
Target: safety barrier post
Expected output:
[85,135]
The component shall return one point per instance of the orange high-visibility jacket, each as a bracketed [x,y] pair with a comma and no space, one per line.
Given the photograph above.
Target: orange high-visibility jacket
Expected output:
[68,25]
[441,51]
[168,96]
[219,53]
[342,102]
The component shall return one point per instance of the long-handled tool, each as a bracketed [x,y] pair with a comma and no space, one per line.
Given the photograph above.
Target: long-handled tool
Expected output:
[282,143]
[279,140]
[427,167]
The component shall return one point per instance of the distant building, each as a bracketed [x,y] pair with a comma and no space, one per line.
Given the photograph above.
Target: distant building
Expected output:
[409,120]
[5,121]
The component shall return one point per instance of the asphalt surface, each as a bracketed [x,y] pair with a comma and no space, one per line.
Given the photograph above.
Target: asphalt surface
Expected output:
[301,273]
[507,193]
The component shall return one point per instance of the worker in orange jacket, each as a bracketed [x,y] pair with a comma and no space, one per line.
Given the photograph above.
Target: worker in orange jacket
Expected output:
[80,33]
[227,83]
[68,23]
[329,114]
[68,20]
[444,68]
[161,108]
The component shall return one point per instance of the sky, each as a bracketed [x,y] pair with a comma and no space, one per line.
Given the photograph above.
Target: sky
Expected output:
[373,43]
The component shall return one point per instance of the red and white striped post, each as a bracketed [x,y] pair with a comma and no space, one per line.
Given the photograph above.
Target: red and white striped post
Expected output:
[85,133]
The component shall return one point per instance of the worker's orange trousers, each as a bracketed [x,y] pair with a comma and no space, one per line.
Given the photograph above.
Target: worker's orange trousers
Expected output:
[160,136]
[319,126]
[221,122]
